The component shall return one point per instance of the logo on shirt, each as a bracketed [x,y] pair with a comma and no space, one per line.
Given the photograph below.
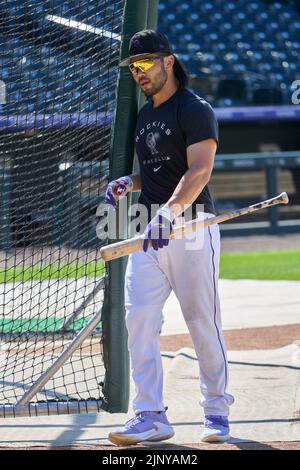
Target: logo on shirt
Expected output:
[151,143]
[156,169]
[155,125]
[151,134]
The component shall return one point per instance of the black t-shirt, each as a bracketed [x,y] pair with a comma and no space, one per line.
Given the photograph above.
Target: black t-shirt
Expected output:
[162,136]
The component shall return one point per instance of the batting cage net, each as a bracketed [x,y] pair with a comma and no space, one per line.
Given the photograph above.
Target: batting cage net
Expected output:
[58,71]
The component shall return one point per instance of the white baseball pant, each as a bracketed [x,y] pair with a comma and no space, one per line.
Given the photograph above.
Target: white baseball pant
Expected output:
[193,276]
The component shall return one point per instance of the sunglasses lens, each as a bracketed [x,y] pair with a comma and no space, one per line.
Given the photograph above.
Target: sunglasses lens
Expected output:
[141,65]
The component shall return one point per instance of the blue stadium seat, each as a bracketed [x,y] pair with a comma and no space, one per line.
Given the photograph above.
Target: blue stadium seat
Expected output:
[231,57]
[219,48]
[276,7]
[249,27]
[212,39]
[235,36]
[259,37]
[285,18]
[193,18]
[162,8]
[273,27]
[38,9]
[257,40]
[282,36]
[206,7]
[225,28]
[240,17]
[183,8]
[262,17]
[177,28]
[294,27]
[243,47]
[171,18]
[268,45]
[240,68]
[200,29]
[193,48]
[295,45]
[230,7]
[252,7]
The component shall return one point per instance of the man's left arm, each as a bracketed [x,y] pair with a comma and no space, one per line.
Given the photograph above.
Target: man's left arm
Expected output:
[200,159]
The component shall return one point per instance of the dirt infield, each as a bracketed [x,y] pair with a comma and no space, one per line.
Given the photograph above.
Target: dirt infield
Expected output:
[246,339]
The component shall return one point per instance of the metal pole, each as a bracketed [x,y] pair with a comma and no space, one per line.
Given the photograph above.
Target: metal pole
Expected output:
[50,408]
[83,305]
[49,373]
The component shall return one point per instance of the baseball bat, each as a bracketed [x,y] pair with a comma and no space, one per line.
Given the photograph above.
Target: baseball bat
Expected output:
[124,248]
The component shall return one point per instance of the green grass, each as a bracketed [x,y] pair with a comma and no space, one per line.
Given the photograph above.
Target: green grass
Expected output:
[41,325]
[55,271]
[272,265]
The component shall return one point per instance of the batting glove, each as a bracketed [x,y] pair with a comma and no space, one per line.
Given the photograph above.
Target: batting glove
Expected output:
[117,189]
[159,229]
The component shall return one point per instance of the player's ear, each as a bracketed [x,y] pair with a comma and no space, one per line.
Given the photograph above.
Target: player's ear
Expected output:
[169,62]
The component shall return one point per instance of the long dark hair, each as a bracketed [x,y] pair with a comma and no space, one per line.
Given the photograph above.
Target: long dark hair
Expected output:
[181,74]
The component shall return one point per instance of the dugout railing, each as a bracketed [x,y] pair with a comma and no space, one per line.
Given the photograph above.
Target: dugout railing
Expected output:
[270,163]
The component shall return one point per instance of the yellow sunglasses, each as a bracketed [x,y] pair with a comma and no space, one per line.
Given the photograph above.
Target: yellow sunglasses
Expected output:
[142,65]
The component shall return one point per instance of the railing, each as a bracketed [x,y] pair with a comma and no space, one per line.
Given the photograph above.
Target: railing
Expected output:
[270,162]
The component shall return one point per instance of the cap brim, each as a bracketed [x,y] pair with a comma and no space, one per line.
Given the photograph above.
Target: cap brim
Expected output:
[133,58]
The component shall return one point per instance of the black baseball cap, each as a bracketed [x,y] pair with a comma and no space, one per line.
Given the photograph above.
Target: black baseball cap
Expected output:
[147,43]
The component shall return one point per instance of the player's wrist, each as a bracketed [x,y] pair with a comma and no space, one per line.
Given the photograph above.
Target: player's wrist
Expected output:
[122,186]
[167,213]
[127,180]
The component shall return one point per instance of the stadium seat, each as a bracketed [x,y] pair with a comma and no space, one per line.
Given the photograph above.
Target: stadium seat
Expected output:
[200,29]
[182,8]
[285,18]
[259,39]
[276,7]
[230,7]
[252,7]
[207,7]
[227,40]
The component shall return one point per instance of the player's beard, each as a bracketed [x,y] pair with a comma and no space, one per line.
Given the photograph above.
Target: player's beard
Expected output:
[157,83]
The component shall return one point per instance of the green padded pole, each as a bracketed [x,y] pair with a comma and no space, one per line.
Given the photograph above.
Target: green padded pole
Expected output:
[116,383]
[152,16]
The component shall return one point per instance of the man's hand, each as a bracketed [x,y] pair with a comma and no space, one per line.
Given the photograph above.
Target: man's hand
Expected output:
[159,229]
[117,189]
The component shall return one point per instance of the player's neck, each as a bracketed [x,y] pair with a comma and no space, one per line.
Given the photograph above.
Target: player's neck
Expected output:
[169,88]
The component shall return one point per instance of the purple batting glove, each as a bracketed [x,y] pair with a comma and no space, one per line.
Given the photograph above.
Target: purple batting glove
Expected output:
[117,189]
[159,229]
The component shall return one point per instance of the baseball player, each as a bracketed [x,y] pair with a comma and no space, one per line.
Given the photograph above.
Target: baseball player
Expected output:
[176,139]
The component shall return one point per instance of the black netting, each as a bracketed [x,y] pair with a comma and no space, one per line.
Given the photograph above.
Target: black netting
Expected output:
[58,72]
